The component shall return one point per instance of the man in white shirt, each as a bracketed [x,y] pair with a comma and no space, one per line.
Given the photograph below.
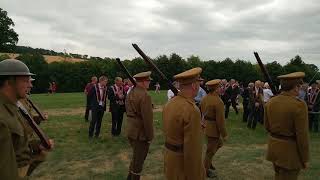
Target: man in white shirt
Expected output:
[170,94]
[267,93]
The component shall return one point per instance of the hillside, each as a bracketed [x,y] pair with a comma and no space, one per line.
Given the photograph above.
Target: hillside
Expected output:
[50,58]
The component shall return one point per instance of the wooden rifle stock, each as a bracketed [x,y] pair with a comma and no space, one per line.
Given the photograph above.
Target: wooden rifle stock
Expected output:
[125,70]
[153,66]
[43,137]
[266,74]
[41,115]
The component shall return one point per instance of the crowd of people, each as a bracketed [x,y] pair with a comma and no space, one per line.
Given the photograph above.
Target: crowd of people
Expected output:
[254,97]
[212,99]
[197,109]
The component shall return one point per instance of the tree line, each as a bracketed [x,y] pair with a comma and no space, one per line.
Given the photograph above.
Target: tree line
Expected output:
[72,77]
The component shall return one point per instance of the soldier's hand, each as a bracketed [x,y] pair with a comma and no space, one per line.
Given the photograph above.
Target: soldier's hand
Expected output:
[46,116]
[256,104]
[305,165]
[42,148]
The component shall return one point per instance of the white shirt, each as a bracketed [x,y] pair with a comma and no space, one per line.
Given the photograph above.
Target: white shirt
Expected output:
[130,88]
[267,94]
[101,94]
[170,94]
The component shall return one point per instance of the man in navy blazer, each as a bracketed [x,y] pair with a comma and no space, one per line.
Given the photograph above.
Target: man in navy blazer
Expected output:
[116,95]
[97,95]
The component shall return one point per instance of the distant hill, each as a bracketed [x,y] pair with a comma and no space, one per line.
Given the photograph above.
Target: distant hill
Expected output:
[49,55]
[49,58]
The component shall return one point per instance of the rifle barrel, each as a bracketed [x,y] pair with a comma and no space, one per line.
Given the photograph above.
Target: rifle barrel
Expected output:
[125,70]
[266,74]
[149,61]
[43,137]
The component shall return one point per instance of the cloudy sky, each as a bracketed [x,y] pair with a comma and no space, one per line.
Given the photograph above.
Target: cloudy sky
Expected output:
[211,29]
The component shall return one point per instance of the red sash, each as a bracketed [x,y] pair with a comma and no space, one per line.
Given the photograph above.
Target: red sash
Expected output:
[99,98]
[312,96]
[117,91]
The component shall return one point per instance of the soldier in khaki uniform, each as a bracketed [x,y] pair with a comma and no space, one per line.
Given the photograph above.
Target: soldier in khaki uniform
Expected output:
[139,123]
[38,154]
[182,130]
[212,108]
[15,154]
[286,120]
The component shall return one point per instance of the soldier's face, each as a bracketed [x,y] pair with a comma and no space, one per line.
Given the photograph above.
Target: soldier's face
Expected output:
[22,86]
[30,86]
[195,87]
[146,84]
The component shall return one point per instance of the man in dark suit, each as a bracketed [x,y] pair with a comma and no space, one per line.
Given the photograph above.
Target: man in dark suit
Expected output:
[87,89]
[231,95]
[246,96]
[116,95]
[255,105]
[97,96]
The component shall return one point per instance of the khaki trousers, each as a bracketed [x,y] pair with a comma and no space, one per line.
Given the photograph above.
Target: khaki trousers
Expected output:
[140,152]
[213,145]
[285,174]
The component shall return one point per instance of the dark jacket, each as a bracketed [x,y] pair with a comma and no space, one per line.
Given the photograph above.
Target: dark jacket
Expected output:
[93,96]
[115,102]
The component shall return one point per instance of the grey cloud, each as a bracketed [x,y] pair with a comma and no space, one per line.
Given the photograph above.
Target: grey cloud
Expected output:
[211,29]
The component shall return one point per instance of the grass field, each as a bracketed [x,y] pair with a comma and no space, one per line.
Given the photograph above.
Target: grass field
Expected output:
[75,157]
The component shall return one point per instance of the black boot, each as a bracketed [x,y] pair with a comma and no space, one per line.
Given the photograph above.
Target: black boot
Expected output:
[135,177]
[212,167]
[129,176]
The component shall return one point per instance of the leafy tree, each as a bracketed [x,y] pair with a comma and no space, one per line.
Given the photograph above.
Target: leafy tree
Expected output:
[4,56]
[275,69]
[8,37]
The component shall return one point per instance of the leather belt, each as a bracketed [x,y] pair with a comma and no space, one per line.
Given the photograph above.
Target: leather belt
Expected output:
[174,148]
[278,136]
[209,119]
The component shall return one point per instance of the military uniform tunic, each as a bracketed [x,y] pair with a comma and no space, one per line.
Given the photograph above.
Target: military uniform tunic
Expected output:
[140,115]
[181,125]
[213,111]
[14,148]
[139,127]
[286,119]
[36,156]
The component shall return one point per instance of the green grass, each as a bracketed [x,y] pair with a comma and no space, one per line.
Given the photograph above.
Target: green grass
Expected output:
[75,157]
[78,100]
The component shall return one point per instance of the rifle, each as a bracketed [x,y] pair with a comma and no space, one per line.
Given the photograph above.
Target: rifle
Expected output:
[125,70]
[43,137]
[41,115]
[266,74]
[148,61]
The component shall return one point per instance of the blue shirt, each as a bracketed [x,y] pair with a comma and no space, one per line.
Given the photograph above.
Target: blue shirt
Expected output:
[302,95]
[200,95]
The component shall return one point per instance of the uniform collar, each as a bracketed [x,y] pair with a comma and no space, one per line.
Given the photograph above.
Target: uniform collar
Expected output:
[214,93]
[184,96]
[286,93]
[139,88]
